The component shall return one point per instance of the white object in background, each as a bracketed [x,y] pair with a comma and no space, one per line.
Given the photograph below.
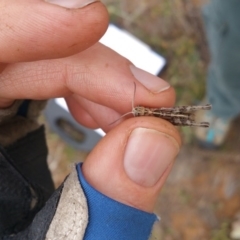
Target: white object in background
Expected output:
[61,102]
[131,48]
[139,53]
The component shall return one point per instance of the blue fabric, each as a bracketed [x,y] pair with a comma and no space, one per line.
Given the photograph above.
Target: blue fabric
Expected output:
[222,25]
[210,136]
[109,219]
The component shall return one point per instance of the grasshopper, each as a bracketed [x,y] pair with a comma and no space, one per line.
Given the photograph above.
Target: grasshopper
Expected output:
[179,116]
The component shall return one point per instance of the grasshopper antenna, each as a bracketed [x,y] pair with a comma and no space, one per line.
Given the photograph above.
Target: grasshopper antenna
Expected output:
[134,93]
[121,117]
[124,115]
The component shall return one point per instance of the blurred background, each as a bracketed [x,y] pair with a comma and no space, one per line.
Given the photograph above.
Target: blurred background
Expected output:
[201,200]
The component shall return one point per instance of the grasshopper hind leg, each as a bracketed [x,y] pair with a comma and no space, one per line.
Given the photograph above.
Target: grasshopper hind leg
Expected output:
[188,122]
[200,124]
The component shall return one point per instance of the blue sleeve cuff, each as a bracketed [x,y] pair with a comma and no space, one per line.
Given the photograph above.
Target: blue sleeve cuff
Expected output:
[109,219]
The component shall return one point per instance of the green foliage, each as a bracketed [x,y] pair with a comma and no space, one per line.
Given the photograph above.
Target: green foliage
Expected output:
[222,233]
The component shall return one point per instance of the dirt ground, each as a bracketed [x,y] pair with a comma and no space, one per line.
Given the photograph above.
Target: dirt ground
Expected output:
[201,199]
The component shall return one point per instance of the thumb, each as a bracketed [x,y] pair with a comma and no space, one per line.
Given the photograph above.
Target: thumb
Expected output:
[131,163]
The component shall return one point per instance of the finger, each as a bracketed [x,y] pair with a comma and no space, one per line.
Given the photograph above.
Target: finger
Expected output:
[102,116]
[131,163]
[34,29]
[80,114]
[97,74]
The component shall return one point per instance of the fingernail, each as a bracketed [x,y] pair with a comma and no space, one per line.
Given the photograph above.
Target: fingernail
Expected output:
[72,3]
[148,154]
[151,82]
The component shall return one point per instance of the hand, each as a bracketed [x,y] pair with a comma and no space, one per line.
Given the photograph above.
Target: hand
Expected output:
[54,53]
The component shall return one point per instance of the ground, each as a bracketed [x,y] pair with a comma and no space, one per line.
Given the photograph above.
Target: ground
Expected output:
[201,198]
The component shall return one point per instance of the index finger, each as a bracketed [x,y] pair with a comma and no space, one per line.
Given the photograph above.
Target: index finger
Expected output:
[97,74]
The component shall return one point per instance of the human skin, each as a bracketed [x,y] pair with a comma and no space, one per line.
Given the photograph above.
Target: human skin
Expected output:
[50,51]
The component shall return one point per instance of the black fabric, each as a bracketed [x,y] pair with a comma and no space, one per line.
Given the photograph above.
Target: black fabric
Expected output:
[39,227]
[19,200]
[25,182]
[23,109]
[30,156]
